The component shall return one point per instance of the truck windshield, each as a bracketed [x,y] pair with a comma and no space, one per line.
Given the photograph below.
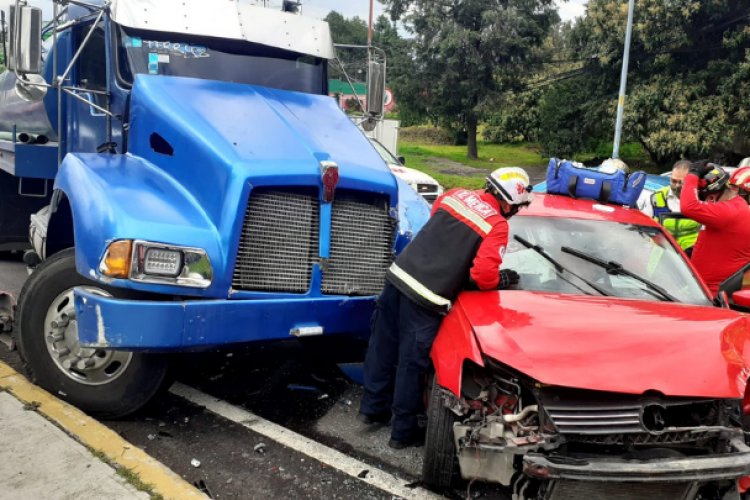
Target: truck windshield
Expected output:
[156,53]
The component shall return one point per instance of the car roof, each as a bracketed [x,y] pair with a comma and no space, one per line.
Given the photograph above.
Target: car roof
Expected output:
[551,205]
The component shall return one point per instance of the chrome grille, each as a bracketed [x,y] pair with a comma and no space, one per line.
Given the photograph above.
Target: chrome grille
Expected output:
[279,243]
[575,490]
[595,419]
[361,247]
[646,439]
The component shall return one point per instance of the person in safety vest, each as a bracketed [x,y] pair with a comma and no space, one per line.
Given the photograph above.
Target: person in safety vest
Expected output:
[719,202]
[462,245]
[667,200]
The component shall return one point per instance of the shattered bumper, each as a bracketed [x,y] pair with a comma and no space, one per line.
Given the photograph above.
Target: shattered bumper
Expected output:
[684,469]
[171,325]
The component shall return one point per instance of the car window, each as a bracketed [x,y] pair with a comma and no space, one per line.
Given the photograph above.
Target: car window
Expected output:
[642,250]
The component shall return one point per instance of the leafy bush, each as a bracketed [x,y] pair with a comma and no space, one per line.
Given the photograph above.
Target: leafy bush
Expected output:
[425,134]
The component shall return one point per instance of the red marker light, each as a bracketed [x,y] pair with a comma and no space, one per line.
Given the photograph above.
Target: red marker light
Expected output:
[329,172]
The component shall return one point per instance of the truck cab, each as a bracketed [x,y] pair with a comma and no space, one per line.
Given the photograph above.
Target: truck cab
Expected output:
[206,191]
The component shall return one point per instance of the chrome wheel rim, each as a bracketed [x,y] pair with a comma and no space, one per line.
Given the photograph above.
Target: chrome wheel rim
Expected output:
[85,365]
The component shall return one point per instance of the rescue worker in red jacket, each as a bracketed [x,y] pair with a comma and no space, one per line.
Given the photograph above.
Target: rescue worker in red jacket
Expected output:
[720,202]
[462,245]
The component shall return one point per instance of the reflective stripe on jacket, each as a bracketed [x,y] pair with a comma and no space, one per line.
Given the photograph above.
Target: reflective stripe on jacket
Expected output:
[465,237]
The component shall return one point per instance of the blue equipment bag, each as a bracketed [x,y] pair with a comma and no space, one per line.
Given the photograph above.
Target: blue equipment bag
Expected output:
[618,188]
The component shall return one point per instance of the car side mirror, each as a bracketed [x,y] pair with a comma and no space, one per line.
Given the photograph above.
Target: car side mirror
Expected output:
[25,55]
[742,298]
[401,160]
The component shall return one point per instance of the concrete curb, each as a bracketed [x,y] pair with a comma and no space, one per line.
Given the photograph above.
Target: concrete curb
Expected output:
[98,437]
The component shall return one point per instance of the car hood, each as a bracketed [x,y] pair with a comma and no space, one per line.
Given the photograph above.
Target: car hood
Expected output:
[617,345]
[412,176]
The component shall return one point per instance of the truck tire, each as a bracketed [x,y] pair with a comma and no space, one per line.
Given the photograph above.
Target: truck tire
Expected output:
[440,466]
[104,383]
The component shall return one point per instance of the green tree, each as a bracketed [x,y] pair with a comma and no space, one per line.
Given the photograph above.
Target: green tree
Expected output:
[351,32]
[688,80]
[465,52]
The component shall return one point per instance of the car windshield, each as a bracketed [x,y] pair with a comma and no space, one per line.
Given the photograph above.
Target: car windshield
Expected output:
[599,258]
[155,53]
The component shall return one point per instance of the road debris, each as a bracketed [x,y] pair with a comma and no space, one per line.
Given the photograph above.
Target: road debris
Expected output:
[195,463]
[203,487]
[260,448]
[298,387]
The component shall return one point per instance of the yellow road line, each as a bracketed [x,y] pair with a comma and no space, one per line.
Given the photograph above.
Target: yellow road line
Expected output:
[98,437]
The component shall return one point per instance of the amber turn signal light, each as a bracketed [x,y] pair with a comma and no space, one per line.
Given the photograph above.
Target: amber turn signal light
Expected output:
[117,258]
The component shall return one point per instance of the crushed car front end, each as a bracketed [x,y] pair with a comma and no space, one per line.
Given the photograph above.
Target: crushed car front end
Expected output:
[555,442]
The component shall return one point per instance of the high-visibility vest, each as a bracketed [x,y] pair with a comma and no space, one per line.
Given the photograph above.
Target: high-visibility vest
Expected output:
[685,231]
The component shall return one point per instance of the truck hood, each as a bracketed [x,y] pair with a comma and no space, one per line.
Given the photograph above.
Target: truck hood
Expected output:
[218,137]
[617,345]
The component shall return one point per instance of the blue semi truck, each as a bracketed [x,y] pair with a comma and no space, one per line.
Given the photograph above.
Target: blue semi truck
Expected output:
[194,187]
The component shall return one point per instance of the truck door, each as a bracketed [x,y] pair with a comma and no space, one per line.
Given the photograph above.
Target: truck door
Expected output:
[87,126]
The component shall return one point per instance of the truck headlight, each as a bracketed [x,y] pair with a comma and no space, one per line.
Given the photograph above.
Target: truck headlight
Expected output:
[157,263]
[162,262]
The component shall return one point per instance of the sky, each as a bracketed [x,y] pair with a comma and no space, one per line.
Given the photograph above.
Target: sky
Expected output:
[348,8]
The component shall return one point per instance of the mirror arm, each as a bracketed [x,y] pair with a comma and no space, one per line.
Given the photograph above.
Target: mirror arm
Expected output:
[85,5]
[351,85]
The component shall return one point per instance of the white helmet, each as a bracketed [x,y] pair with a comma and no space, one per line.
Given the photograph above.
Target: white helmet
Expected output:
[612,165]
[510,184]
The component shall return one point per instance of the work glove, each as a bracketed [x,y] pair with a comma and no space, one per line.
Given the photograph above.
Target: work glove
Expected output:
[508,278]
[701,169]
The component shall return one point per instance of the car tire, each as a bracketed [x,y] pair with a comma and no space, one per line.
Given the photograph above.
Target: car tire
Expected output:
[440,467]
[104,383]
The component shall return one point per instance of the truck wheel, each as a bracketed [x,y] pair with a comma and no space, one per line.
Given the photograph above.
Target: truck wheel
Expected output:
[440,466]
[101,382]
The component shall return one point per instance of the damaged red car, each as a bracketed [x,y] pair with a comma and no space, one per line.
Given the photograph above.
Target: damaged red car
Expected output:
[607,373]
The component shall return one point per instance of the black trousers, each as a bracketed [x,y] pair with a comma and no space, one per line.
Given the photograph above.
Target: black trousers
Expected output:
[397,360]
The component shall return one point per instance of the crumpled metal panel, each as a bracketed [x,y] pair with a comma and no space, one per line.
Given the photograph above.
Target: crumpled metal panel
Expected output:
[235,19]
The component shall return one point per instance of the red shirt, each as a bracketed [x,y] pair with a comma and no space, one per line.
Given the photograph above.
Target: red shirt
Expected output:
[723,245]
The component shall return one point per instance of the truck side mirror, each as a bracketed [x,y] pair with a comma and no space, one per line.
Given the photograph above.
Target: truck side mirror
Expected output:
[25,55]
[376,89]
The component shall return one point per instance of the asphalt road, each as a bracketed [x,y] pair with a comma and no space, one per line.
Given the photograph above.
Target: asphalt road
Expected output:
[286,384]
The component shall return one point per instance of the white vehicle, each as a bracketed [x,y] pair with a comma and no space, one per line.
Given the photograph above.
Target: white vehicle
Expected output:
[422,183]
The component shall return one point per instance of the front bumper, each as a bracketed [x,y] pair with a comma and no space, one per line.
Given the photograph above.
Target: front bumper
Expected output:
[162,326]
[701,469]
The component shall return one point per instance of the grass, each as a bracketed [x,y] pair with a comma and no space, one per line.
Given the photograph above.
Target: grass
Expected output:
[428,157]
[491,156]
[128,475]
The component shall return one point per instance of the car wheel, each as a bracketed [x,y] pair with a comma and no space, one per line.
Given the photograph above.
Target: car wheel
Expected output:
[440,466]
[101,382]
